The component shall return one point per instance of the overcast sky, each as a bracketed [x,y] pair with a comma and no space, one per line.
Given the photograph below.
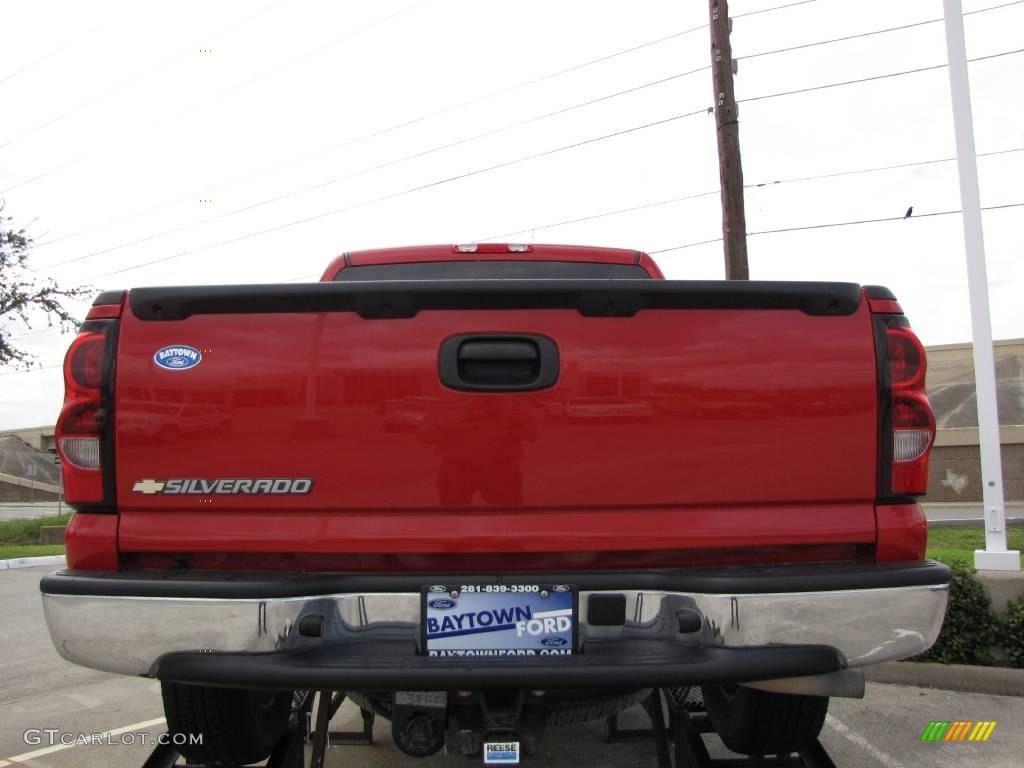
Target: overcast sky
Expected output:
[126,126]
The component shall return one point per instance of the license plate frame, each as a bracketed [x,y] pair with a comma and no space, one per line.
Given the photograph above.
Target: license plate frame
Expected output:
[521,631]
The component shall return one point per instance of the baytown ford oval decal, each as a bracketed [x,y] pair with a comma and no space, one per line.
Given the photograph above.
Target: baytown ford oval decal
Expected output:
[178,357]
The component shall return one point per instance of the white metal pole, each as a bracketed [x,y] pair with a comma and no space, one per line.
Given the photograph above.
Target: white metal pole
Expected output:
[995,555]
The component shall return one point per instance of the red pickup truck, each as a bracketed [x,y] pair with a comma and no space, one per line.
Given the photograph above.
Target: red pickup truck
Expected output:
[485,489]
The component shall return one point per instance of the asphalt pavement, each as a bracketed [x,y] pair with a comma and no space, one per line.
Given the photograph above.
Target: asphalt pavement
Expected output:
[39,690]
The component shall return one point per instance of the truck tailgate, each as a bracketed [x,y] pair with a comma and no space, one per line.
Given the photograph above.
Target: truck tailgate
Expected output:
[684,415]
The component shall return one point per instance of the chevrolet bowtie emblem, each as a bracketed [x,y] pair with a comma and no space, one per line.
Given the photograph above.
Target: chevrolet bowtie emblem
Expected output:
[148,485]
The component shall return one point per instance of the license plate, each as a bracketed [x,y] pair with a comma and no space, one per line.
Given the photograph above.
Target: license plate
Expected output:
[499,620]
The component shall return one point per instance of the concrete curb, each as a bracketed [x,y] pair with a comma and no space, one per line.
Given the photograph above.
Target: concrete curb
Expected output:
[999,681]
[31,562]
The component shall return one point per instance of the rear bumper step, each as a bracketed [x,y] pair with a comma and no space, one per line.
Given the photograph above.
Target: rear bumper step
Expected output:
[753,624]
[394,665]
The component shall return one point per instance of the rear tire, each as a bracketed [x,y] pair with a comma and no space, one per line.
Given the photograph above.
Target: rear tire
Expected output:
[569,710]
[237,726]
[754,722]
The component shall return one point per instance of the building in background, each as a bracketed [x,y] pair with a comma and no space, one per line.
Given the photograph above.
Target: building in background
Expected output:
[955,467]
[26,472]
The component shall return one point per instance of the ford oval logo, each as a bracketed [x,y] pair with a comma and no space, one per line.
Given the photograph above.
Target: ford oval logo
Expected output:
[439,588]
[553,642]
[441,603]
[178,357]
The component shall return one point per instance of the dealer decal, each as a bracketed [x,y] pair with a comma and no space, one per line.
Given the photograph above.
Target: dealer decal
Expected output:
[230,486]
[178,357]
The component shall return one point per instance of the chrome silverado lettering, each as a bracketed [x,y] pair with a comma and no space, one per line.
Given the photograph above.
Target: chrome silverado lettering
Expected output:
[224,486]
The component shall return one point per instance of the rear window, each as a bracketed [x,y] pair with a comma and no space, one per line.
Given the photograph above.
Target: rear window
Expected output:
[493,270]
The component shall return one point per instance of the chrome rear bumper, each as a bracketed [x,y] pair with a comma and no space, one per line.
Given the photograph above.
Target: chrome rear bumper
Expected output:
[119,624]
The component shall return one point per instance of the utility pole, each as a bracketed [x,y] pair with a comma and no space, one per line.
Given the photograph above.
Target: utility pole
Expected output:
[730,170]
[995,556]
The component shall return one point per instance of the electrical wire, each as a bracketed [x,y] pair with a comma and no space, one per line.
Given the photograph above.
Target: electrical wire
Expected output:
[591,217]
[657,203]
[755,185]
[32,370]
[233,87]
[872,33]
[832,224]
[498,166]
[379,166]
[401,125]
[684,245]
[106,93]
[402,193]
[766,10]
[465,140]
[872,78]
[510,162]
[718,239]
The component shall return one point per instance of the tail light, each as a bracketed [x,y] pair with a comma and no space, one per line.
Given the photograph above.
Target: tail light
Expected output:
[907,422]
[85,420]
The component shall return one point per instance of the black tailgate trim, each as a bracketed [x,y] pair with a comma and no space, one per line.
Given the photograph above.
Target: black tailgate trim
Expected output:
[404,298]
[814,577]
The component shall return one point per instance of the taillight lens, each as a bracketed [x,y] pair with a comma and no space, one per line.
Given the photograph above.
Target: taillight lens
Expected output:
[79,429]
[911,423]
[81,452]
[85,361]
[906,358]
[82,420]
[913,428]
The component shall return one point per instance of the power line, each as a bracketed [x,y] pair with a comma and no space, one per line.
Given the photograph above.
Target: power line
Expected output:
[877,221]
[832,224]
[843,39]
[408,191]
[235,86]
[33,370]
[994,7]
[380,132]
[708,193]
[117,87]
[482,135]
[380,166]
[390,196]
[683,246]
[506,164]
[599,215]
[872,78]
[754,185]
[42,175]
[895,166]
[766,10]
[872,33]
[406,123]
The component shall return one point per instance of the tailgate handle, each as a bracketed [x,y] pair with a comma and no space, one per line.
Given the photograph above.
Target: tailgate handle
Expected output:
[498,362]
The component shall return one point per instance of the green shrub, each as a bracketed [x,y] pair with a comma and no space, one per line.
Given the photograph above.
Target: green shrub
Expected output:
[1013,632]
[971,628]
[27,531]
